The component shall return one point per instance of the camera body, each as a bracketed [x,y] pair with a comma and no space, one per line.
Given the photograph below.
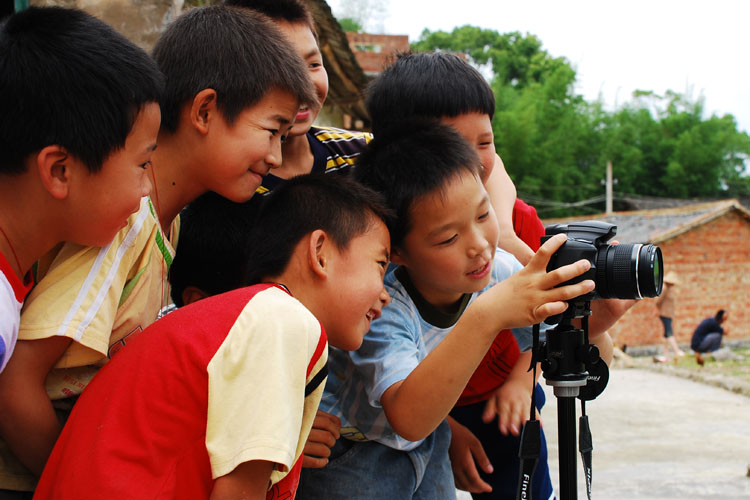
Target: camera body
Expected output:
[625,271]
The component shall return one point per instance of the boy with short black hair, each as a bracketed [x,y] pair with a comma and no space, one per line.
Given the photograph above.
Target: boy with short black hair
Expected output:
[452,292]
[308,148]
[216,400]
[67,147]
[445,87]
[233,87]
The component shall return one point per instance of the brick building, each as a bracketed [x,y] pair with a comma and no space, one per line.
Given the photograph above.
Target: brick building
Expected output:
[708,245]
[374,51]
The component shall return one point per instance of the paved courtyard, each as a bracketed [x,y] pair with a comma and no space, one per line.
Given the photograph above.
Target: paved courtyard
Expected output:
[661,437]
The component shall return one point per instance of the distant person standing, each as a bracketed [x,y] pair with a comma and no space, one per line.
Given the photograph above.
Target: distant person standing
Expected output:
[666,305]
[707,337]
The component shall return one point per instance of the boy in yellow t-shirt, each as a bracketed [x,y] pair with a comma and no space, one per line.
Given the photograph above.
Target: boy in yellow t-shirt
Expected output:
[233,87]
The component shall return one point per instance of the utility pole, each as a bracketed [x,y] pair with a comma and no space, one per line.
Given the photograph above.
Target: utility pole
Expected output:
[608,188]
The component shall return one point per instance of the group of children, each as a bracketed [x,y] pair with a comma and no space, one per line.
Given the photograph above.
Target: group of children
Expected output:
[384,297]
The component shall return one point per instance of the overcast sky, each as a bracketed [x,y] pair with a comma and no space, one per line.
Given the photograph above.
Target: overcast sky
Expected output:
[696,47]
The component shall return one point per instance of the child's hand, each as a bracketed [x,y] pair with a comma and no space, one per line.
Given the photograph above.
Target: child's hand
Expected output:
[530,296]
[466,453]
[510,403]
[323,435]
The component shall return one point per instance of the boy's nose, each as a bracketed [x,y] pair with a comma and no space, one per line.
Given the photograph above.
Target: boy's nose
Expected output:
[385,299]
[476,245]
[146,184]
[273,158]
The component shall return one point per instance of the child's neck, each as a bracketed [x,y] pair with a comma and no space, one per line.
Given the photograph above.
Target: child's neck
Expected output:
[297,158]
[448,303]
[174,183]
[29,226]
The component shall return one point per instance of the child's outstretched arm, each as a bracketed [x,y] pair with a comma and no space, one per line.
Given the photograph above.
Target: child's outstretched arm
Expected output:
[502,193]
[416,405]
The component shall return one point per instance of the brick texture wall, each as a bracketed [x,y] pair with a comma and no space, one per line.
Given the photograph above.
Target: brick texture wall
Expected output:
[374,61]
[713,264]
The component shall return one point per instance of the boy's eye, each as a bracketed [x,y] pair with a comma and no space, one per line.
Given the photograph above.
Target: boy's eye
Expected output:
[449,240]
[484,215]
[145,165]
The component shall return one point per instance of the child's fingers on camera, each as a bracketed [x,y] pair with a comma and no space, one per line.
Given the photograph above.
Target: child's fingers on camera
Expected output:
[549,309]
[568,272]
[551,246]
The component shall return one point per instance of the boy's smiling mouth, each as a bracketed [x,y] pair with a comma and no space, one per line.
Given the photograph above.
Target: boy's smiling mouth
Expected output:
[481,271]
[372,315]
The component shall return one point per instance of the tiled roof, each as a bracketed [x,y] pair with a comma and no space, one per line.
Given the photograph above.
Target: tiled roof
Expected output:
[658,225]
[346,78]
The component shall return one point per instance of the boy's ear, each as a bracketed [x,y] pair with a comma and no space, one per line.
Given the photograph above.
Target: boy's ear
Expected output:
[203,109]
[192,294]
[317,250]
[55,167]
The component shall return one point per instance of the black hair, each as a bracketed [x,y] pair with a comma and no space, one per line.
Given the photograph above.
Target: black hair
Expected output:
[336,204]
[431,85]
[412,159]
[291,11]
[720,315]
[71,80]
[213,245]
[237,52]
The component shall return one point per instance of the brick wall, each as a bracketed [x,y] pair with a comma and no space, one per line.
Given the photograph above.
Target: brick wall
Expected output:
[713,264]
[380,49]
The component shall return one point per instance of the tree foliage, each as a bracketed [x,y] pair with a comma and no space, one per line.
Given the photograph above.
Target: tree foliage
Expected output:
[555,144]
[350,25]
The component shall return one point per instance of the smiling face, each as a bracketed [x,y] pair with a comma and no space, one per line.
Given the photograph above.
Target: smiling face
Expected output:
[304,43]
[476,128]
[355,287]
[448,251]
[102,202]
[243,152]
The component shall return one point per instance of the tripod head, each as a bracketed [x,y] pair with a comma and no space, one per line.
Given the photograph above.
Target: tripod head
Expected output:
[566,354]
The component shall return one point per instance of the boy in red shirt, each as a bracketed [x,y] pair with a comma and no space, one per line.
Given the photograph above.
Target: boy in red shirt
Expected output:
[217,399]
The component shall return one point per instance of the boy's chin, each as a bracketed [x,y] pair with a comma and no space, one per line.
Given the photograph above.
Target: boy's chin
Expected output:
[347,342]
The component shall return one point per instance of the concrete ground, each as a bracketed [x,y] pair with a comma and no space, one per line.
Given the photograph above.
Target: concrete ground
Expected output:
[661,437]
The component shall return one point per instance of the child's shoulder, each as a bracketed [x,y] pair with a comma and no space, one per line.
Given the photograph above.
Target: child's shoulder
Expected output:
[336,149]
[335,135]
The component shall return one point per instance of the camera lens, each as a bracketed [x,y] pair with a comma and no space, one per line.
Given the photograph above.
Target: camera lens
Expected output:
[632,271]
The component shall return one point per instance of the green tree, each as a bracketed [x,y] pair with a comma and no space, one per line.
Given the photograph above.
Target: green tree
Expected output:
[350,25]
[555,145]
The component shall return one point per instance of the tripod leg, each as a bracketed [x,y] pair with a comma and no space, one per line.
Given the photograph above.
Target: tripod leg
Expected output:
[566,436]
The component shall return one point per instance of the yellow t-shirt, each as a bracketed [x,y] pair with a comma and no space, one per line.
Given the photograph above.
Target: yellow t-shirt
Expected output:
[99,297]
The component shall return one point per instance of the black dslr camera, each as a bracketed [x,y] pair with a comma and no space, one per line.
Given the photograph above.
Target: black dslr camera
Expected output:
[570,364]
[627,271]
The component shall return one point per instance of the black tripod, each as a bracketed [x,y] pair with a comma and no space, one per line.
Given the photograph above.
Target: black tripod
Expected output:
[567,359]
